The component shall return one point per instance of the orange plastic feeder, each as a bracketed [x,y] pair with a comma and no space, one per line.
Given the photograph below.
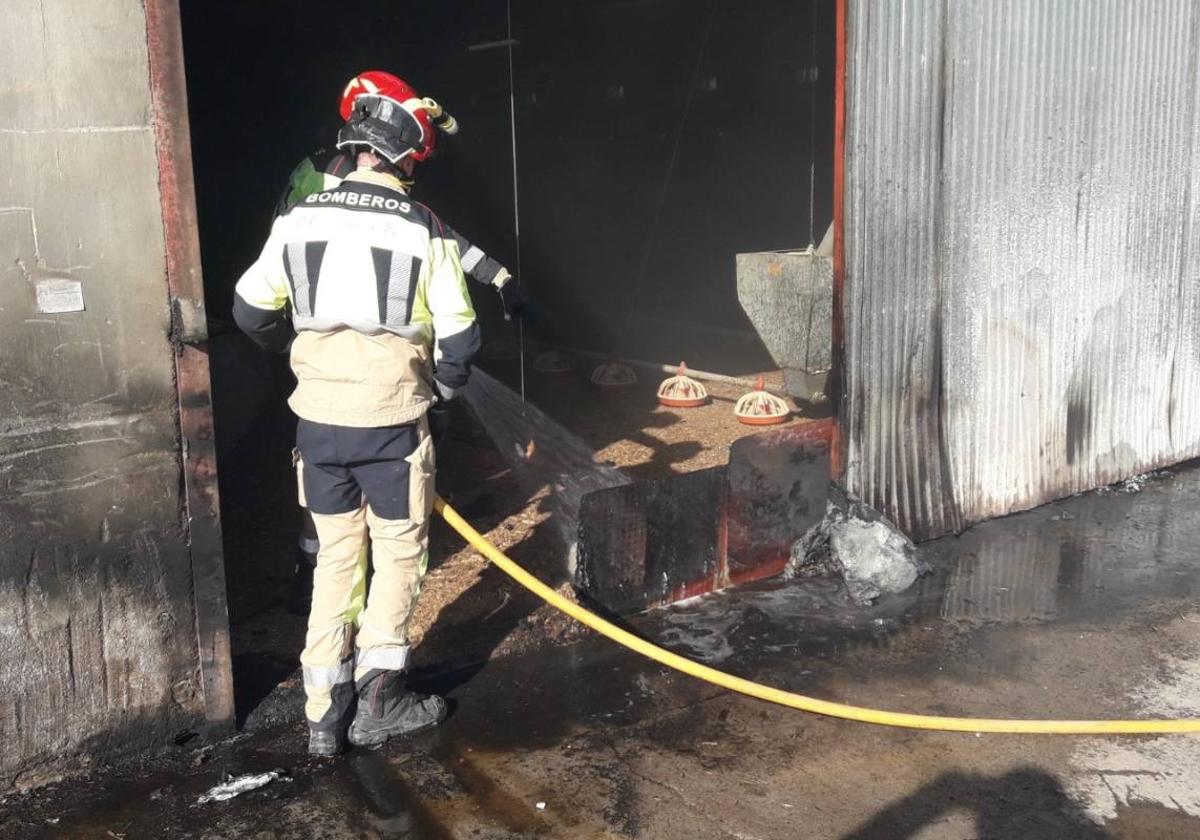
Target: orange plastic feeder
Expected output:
[761,408]
[553,362]
[681,391]
[613,375]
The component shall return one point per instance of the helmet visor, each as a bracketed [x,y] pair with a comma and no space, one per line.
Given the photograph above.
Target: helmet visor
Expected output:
[384,125]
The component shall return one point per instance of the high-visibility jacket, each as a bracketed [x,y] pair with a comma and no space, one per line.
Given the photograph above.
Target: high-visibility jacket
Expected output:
[325,168]
[375,292]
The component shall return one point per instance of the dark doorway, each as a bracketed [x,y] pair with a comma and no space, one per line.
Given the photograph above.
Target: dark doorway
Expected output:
[655,139]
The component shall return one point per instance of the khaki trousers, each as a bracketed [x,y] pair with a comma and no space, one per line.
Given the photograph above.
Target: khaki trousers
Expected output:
[342,643]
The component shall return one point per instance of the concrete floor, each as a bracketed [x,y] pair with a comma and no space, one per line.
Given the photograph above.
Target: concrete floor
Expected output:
[1084,608]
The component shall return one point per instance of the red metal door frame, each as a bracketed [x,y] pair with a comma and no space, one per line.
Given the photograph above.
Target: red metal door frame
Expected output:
[838,331]
[189,338]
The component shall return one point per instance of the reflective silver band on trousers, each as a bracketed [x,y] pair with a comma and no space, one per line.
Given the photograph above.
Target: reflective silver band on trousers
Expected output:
[326,676]
[387,658]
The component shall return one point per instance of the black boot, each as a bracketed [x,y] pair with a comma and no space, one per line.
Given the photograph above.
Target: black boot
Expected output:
[327,736]
[324,743]
[386,709]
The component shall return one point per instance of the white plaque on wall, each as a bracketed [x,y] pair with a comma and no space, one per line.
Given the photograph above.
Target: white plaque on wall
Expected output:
[59,295]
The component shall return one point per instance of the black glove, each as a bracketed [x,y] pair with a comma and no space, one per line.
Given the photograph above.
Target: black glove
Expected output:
[439,421]
[511,299]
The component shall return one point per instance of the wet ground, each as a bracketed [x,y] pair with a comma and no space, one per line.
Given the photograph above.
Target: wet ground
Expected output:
[1085,608]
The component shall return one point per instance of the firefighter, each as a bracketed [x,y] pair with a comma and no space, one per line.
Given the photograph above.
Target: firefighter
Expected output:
[372,286]
[324,169]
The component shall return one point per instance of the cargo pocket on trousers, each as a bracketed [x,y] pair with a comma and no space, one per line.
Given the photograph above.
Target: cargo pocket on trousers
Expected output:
[421,468]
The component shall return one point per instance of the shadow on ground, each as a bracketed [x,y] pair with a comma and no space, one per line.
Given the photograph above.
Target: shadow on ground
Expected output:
[1026,803]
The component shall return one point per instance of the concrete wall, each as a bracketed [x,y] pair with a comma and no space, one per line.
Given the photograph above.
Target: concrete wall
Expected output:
[98,631]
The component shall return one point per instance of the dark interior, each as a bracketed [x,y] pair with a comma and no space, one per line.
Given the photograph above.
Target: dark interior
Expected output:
[655,139]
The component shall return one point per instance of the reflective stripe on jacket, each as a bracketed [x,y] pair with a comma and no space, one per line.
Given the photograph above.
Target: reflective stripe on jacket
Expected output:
[375,287]
[324,169]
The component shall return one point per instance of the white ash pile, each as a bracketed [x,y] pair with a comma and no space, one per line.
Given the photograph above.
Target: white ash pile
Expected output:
[859,544]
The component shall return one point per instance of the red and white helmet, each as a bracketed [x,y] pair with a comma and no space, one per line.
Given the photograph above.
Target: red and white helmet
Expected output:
[384,112]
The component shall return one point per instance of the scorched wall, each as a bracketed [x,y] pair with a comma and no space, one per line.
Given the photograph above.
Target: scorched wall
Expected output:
[99,646]
[1020,246]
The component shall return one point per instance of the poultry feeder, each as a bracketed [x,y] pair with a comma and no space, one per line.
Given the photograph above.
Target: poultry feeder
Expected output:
[613,375]
[552,361]
[760,408]
[501,350]
[681,391]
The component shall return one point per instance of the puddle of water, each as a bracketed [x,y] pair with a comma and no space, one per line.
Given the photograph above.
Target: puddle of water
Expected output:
[1091,559]
[499,805]
[385,802]
[162,803]
[1086,559]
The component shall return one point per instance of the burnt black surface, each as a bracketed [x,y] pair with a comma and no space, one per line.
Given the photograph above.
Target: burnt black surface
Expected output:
[778,488]
[639,544]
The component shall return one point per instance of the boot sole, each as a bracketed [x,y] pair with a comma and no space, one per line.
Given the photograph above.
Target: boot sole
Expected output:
[327,752]
[379,737]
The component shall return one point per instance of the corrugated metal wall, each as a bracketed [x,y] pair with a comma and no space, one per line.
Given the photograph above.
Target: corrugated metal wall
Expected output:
[1021,265]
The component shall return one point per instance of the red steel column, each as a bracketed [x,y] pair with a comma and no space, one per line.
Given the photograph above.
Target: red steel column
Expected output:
[189,337]
[838,374]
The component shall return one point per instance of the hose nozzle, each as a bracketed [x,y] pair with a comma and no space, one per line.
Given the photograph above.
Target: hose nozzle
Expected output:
[438,114]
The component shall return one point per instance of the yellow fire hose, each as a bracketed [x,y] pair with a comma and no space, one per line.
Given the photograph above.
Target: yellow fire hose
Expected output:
[787,698]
